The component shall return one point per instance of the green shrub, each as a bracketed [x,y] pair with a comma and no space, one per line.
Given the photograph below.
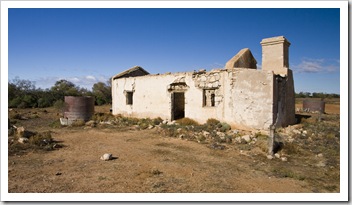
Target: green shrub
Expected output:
[22,105]
[55,124]
[212,122]
[41,139]
[15,102]
[78,123]
[143,125]
[102,117]
[224,127]
[157,121]
[60,105]
[43,102]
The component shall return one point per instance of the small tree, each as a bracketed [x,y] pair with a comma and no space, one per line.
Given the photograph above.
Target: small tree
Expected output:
[102,93]
[60,105]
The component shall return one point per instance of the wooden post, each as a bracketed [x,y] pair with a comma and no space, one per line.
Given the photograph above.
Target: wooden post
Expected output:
[271,140]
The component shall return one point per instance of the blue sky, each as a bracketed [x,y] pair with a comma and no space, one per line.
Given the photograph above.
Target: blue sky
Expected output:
[86,46]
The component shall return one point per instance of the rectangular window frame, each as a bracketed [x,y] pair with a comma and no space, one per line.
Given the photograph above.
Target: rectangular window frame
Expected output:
[129,98]
[209,98]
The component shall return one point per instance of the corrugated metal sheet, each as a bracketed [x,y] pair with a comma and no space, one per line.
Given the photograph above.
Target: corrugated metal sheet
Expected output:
[79,108]
[314,105]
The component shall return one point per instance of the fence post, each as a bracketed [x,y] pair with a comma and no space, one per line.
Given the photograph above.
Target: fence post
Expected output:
[271,140]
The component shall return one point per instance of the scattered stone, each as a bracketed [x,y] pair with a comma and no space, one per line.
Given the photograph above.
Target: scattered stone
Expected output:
[206,134]
[91,123]
[181,136]
[320,155]
[270,157]
[171,123]
[247,138]
[20,131]
[304,132]
[24,118]
[57,146]
[290,139]
[220,134]
[217,146]
[321,164]
[277,155]
[58,173]
[65,121]
[296,132]
[151,127]
[238,139]
[165,122]
[105,122]
[235,132]
[179,129]
[284,159]
[106,157]
[22,140]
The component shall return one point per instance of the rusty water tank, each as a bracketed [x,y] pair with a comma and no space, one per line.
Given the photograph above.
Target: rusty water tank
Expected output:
[313,106]
[79,108]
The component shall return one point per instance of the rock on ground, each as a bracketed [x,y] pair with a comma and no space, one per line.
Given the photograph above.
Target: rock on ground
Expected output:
[106,157]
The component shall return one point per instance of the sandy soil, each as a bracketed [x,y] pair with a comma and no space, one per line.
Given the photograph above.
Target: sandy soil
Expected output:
[145,161]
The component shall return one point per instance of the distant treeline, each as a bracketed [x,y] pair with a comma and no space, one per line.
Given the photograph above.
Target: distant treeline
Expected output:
[24,94]
[316,95]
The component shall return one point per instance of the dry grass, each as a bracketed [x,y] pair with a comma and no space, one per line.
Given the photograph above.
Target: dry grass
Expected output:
[186,122]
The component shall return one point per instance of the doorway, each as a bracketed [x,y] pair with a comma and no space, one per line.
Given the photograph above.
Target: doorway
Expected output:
[177,105]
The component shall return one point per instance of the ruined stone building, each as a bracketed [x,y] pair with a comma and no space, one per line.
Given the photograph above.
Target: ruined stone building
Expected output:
[238,94]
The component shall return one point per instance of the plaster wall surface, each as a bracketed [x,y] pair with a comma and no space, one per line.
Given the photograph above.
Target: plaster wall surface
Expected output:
[150,96]
[252,98]
[241,96]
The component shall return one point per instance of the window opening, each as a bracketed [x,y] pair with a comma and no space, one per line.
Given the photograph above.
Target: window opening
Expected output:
[212,98]
[129,98]
[209,98]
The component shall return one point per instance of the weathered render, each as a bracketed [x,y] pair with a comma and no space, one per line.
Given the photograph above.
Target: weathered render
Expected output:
[238,94]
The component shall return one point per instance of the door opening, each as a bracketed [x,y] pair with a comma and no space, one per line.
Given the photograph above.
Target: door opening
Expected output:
[177,105]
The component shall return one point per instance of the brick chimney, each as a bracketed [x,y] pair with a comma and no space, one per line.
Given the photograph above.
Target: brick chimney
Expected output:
[275,54]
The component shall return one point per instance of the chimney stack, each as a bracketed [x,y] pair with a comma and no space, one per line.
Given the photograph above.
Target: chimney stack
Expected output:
[275,55]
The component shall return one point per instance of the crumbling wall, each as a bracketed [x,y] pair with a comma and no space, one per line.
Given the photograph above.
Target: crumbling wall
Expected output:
[251,102]
[243,59]
[150,96]
[210,83]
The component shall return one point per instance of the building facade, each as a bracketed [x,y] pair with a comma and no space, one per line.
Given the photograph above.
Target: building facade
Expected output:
[238,94]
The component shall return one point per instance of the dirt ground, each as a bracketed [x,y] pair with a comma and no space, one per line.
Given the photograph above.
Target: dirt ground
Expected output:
[145,161]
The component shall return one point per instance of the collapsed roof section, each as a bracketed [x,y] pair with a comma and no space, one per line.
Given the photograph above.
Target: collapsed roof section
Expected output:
[132,72]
